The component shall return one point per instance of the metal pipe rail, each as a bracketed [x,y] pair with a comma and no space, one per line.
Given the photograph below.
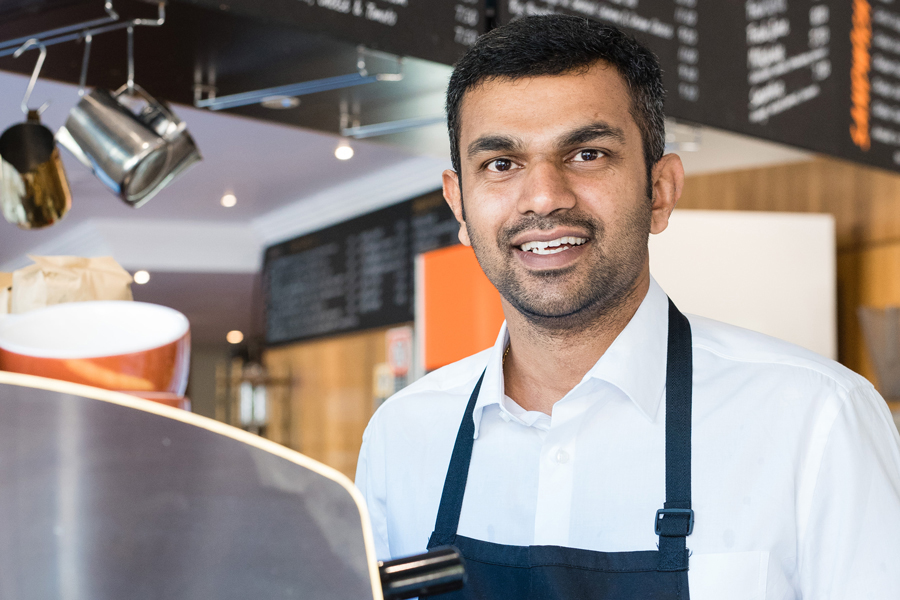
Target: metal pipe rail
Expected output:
[294,90]
[71,33]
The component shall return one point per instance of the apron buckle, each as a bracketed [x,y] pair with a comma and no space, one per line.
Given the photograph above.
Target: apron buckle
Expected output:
[674,522]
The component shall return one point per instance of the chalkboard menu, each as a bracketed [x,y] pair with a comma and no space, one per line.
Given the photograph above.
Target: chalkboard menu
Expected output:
[438,30]
[355,275]
[818,74]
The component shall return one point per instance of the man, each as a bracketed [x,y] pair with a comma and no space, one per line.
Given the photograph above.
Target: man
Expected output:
[551,454]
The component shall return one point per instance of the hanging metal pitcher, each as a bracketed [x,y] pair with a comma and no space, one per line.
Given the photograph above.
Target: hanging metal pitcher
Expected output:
[135,153]
[34,191]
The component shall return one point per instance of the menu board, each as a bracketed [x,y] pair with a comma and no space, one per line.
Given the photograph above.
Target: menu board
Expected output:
[818,74]
[355,275]
[433,30]
[667,26]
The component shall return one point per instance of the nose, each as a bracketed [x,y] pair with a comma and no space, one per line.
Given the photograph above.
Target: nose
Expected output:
[545,189]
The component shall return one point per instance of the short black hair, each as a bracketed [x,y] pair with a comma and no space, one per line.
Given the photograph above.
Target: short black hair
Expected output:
[556,45]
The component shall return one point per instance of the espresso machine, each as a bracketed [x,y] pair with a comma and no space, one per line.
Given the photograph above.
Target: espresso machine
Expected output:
[104,495]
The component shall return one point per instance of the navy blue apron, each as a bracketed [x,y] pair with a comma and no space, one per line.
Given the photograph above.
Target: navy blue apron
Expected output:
[496,571]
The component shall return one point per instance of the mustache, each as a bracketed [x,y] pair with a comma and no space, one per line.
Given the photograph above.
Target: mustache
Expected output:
[593,227]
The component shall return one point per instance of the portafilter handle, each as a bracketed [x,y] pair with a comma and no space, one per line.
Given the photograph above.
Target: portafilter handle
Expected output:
[438,571]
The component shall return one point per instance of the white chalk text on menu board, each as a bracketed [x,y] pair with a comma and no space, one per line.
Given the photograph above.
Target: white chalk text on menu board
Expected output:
[875,40]
[772,54]
[467,15]
[436,30]
[671,24]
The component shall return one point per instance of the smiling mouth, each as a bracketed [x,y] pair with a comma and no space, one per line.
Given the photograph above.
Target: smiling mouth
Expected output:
[553,246]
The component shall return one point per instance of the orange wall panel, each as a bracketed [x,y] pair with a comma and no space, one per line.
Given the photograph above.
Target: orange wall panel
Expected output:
[462,310]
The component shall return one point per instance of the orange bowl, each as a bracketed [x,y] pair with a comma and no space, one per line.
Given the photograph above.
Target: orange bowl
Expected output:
[116,345]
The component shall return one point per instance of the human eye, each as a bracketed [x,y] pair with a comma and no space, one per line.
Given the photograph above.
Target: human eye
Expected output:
[587,155]
[499,165]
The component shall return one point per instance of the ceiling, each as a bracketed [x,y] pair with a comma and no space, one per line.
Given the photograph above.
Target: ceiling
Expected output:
[215,303]
[280,165]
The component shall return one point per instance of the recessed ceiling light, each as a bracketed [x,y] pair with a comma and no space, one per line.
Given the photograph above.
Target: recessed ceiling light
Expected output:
[229,200]
[234,337]
[280,102]
[141,277]
[344,151]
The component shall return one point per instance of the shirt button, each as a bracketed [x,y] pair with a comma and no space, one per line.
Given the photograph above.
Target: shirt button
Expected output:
[562,457]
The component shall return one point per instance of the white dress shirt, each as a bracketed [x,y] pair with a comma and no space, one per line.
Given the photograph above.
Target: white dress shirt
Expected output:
[795,463]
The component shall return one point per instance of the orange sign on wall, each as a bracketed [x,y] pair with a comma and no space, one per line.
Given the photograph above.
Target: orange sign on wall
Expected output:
[461,309]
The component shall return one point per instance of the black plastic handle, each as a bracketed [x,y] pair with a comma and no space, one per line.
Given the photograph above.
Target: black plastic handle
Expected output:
[439,571]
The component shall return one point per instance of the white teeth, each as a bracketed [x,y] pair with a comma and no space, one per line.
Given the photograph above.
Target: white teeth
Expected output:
[556,245]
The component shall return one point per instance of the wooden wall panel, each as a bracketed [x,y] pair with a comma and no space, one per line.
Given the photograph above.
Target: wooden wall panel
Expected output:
[325,410]
[864,201]
[868,277]
[851,346]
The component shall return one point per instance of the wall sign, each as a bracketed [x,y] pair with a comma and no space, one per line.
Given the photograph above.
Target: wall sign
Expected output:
[399,347]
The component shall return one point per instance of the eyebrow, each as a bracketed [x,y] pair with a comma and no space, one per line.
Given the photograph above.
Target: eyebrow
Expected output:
[495,143]
[591,133]
[581,135]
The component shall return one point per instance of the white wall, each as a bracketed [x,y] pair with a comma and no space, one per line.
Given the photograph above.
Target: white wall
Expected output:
[770,272]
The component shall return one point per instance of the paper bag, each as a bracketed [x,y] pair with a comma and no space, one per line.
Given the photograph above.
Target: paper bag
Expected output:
[58,279]
[5,285]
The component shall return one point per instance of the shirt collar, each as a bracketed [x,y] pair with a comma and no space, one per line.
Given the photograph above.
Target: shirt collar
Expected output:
[635,362]
[492,386]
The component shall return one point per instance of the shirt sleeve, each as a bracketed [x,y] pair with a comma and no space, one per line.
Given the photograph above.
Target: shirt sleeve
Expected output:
[850,540]
[370,480]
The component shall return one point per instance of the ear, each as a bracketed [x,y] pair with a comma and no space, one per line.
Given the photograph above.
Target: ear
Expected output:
[668,181]
[453,196]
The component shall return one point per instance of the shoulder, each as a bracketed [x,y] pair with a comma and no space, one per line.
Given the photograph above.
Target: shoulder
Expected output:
[738,348]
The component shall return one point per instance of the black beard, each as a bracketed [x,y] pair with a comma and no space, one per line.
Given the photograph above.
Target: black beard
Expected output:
[616,265]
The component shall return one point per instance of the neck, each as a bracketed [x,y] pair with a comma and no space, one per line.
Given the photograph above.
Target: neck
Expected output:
[544,364]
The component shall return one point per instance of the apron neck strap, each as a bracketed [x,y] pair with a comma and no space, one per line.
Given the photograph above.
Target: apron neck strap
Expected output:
[675,521]
[457,473]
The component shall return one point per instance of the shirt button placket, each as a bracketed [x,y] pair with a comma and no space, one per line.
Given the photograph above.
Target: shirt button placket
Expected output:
[553,509]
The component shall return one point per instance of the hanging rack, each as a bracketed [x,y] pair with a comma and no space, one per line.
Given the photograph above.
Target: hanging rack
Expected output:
[376,129]
[83,30]
[32,43]
[82,80]
[293,90]
[130,80]
[111,17]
